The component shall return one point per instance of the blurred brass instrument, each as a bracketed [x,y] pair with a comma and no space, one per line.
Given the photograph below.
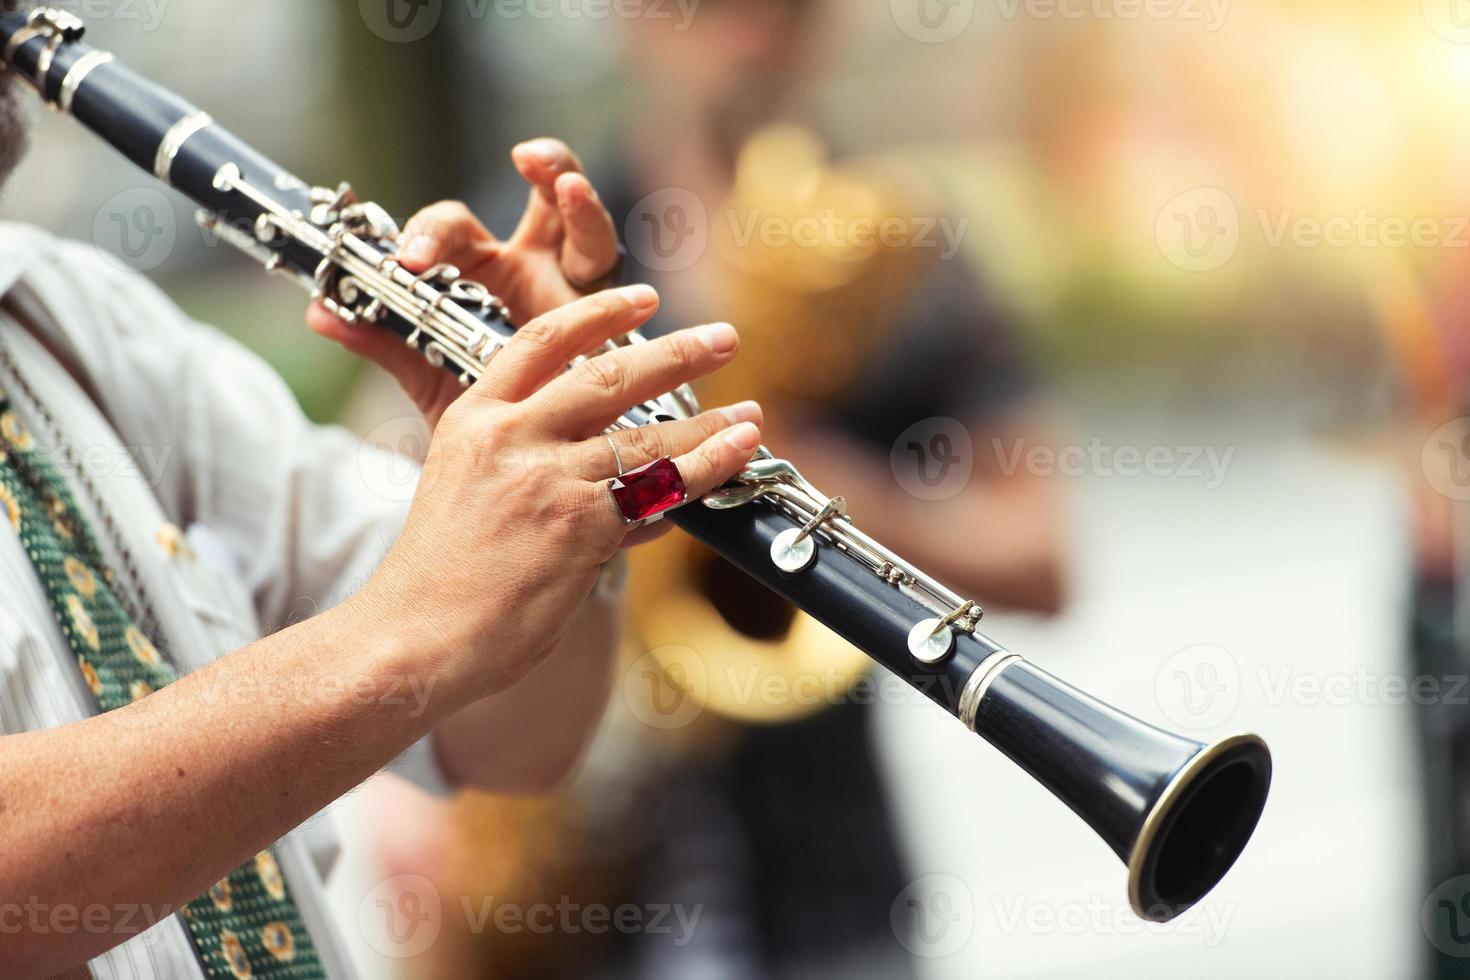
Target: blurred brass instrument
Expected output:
[809,288]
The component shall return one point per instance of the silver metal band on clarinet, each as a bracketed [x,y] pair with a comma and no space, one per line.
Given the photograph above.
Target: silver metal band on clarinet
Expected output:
[979,683]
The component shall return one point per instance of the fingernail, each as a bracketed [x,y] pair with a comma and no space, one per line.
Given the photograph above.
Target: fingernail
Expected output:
[419,248]
[743,412]
[641,296]
[744,437]
[544,152]
[721,337]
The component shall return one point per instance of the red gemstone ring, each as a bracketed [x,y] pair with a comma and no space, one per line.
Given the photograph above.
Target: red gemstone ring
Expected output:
[648,493]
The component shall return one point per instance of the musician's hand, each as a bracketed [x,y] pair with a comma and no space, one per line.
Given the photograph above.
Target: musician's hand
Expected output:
[565,243]
[513,517]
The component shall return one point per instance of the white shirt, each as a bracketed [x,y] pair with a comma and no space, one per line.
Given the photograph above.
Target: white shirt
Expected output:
[183,428]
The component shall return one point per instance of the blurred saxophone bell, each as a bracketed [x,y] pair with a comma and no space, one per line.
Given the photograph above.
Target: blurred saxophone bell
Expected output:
[815,285]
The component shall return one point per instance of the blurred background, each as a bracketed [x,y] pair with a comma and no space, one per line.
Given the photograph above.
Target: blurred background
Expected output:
[1142,321]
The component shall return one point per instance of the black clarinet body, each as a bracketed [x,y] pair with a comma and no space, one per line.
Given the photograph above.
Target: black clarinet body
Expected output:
[1176,811]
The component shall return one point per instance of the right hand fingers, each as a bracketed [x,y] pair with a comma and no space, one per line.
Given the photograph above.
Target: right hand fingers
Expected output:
[587,399]
[543,348]
[641,446]
[706,468]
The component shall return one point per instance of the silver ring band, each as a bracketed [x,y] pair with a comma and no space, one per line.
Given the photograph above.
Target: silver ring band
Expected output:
[617,456]
[979,683]
[79,71]
[22,37]
[173,142]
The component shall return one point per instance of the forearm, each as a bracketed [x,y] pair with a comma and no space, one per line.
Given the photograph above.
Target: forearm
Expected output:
[151,804]
[529,738]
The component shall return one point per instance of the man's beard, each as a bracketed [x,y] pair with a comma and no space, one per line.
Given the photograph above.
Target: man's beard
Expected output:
[15,125]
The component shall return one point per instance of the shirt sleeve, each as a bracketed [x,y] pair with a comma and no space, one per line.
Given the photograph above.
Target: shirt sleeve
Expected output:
[308,510]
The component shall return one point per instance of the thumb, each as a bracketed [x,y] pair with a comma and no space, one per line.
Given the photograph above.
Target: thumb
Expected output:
[424,384]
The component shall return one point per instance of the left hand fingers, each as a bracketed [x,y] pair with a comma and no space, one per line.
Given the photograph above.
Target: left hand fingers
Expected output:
[589,256]
[564,211]
[447,232]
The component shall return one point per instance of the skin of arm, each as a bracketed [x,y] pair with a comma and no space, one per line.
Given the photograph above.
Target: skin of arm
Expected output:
[146,806]
[529,739]
[565,235]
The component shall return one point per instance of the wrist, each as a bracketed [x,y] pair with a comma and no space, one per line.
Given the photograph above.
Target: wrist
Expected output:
[403,656]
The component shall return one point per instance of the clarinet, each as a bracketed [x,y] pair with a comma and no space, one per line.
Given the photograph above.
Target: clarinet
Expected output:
[1176,811]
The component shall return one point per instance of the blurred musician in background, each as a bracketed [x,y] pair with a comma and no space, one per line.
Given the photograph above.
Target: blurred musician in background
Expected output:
[888,371]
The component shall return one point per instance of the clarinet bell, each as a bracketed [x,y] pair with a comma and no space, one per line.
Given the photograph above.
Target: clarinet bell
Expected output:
[1176,811]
